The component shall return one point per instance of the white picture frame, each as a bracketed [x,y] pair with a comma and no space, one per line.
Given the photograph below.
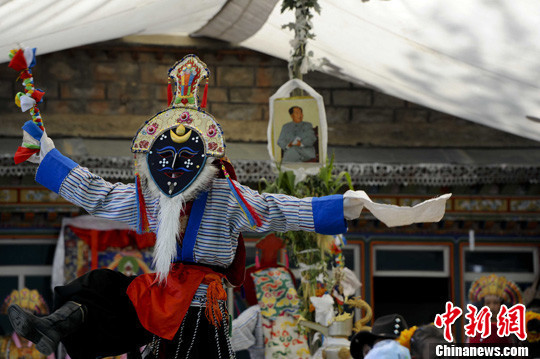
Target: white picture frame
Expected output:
[312,106]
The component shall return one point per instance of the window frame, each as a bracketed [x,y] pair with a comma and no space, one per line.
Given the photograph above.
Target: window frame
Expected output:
[27,270]
[497,247]
[445,273]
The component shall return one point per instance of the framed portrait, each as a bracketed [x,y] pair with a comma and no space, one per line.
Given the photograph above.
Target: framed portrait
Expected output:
[297,131]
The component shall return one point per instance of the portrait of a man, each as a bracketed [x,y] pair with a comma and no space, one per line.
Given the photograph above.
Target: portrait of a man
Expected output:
[297,134]
[297,138]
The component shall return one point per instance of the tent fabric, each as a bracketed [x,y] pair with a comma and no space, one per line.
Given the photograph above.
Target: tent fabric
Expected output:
[54,25]
[238,20]
[473,59]
[470,58]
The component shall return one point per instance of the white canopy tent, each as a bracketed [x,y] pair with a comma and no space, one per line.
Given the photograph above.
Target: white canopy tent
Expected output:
[473,59]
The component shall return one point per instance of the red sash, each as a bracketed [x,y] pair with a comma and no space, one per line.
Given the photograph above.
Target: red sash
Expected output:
[161,308]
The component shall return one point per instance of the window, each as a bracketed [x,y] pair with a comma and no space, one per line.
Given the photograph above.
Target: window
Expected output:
[410,279]
[411,261]
[517,263]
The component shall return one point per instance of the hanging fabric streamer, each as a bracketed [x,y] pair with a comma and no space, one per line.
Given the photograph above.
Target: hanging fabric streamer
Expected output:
[23,60]
[249,212]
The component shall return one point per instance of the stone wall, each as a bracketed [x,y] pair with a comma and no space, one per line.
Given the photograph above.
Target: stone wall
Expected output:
[108,90]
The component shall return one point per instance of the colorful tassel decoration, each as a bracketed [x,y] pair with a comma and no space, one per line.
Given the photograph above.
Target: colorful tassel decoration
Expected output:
[23,60]
[257,262]
[214,294]
[286,259]
[142,226]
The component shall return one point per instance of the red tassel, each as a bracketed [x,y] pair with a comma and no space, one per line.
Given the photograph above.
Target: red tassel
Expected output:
[169,94]
[144,227]
[257,263]
[214,293]
[18,62]
[205,95]
[286,259]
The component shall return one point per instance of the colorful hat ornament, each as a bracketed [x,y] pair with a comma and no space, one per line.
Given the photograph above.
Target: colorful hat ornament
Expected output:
[178,141]
[184,78]
[405,337]
[532,319]
[27,299]
[496,285]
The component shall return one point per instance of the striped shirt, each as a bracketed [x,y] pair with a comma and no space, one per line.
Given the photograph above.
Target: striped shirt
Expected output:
[222,220]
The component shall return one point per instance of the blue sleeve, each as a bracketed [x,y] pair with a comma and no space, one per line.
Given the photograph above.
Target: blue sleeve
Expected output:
[328,214]
[100,198]
[53,169]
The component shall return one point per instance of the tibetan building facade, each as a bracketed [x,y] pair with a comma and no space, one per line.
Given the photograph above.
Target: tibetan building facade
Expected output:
[398,152]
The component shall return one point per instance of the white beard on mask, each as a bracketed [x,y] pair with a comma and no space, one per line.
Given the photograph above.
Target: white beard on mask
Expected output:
[168,217]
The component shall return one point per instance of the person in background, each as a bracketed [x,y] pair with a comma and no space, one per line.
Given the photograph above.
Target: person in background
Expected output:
[380,342]
[493,291]
[247,332]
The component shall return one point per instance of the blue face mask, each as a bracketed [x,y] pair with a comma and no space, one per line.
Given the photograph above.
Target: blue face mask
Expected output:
[175,160]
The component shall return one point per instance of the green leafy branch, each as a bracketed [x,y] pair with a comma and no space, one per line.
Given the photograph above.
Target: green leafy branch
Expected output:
[309,249]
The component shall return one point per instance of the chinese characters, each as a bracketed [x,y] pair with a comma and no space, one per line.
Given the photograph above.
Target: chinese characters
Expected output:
[509,321]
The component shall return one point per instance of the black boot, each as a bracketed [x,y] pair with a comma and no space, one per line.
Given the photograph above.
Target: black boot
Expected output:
[46,332]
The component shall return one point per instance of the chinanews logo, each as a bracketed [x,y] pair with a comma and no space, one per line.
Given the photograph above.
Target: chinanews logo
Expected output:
[448,351]
[509,321]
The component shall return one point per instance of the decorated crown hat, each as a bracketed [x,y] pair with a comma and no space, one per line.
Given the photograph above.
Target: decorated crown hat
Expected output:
[495,285]
[184,113]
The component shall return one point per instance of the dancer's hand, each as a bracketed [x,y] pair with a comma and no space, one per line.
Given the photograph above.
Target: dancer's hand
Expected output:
[34,137]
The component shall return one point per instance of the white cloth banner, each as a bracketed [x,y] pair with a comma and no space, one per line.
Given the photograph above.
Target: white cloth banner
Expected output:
[431,210]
